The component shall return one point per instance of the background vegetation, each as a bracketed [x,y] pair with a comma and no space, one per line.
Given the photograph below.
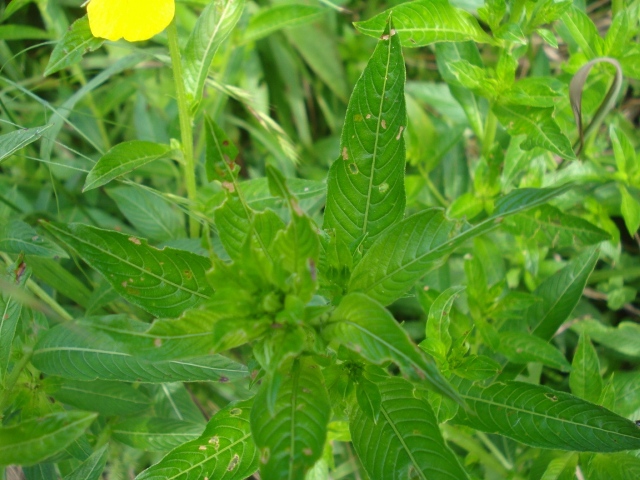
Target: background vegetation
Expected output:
[528,270]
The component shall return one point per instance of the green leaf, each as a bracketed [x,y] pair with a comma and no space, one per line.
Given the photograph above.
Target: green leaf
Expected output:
[10,310]
[523,348]
[405,253]
[624,153]
[630,209]
[561,468]
[406,441]
[76,42]
[153,216]
[583,32]
[369,398]
[36,439]
[585,380]
[625,338]
[538,125]
[225,451]
[76,352]
[163,282]
[291,437]
[221,153]
[621,466]
[559,294]
[10,143]
[108,398]
[22,32]
[365,187]
[550,226]
[534,92]
[124,158]
[438,339]
[476,367]
[156,434]
[214,25]
[541,417]
[17,236]
[366,327]
[270,19]
[92,467]
[173,401]
[472,104]
[424,22]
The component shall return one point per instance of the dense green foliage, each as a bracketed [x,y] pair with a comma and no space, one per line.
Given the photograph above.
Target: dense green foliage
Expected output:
[322,240]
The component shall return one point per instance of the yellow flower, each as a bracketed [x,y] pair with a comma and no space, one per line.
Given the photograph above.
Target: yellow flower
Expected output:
[133,20]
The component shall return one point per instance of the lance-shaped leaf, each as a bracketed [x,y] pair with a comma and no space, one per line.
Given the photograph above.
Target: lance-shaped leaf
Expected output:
[538,125]
[76,41]
[276,17]
[124,158]
[424,22]
[405,253]
[17,236]
[546,418]
[438,339]
[365,326]
[34,440]
[163,282]
[365,187]
[520,347]
[76,352]
[10,143]
[108,398]
[291,436]
[92,467]
[153,433]
[225,451]
[10,310]
[214,25]
[406,441]
[585,380]
[551,226]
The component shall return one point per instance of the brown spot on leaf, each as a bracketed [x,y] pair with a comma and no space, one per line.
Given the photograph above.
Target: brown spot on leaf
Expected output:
[345,154]
[234,462]
[157,342]
[383,124]
[135,240]
[400,133]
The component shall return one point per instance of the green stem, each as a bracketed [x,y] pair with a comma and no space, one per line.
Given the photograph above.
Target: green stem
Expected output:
[495,451]
[490,128]
[186,129]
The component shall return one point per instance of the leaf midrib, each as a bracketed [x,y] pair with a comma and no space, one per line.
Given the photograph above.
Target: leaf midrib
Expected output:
[46,436]
[375,144]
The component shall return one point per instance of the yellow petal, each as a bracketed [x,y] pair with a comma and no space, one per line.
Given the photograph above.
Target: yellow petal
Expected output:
[133,20]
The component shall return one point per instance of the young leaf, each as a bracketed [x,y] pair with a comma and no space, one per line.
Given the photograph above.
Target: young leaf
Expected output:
[291,437]
[424,22]
[365,326]
[124,158]
[92,467]
[630,209]
[406,441]
[270,19]
[10,143]
[157,434]
[163,282]
[405,253]
[541,417]
[523,348]
[221,153]
[560,294]
[585,380]
[75,43]
[438,339]
[225,450]
[17,236]
[76,352]
[36,439]
[215,24]
[108,398]
[365,187]
[369,398]
[538,125]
